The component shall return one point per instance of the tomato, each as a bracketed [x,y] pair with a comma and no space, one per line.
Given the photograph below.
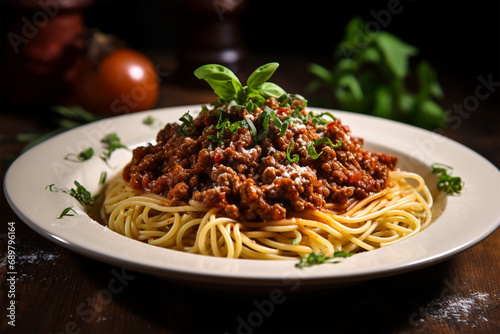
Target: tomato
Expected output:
[124,81]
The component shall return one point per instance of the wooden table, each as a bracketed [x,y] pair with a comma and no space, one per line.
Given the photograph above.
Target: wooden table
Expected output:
[58,291]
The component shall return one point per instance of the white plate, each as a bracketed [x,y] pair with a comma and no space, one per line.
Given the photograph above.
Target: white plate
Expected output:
[466,220]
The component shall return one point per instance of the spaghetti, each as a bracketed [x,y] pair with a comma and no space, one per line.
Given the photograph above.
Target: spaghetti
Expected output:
[394,214]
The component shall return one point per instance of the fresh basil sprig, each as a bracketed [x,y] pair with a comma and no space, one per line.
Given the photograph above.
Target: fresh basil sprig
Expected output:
[229,88]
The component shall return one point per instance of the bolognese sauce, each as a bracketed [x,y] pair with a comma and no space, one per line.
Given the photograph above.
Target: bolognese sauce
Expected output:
[259,164]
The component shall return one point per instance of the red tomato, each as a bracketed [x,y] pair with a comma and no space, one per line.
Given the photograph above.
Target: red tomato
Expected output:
[124,81]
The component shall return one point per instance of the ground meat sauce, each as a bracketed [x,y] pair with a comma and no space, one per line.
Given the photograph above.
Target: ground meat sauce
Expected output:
[253,180]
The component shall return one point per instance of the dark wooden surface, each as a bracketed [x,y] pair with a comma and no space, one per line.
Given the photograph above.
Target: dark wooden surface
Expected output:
[58,291]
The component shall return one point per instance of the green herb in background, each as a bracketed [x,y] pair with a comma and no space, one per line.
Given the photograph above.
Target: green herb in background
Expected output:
[370,75]
[61,118]
[152,121]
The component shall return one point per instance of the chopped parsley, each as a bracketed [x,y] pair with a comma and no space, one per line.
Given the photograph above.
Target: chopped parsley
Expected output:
[311,146]
[446,182]
[69,211]
[151,121]
[288,151]
[187,126]
[81,194]
[102,178]
[318,258]
[112,142]
[80,157]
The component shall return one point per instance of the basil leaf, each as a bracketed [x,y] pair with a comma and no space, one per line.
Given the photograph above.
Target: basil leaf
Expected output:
[227,90]
[395,52]
[322,73]
[222,80]
[215,72]
[383,106]
[349,92]
[269,89]
[261,75]
[369,55]
[427,79]
[430,113]
[228,87]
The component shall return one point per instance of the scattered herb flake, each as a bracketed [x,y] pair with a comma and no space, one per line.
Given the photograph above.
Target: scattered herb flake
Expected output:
[102,178]
[318,258]
[69,211]
[112,142]
[81,194]
[80,157]
[446,182]
[151,121]
[187,126]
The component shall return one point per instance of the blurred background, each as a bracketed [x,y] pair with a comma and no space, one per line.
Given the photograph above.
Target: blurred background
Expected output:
[459,39]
